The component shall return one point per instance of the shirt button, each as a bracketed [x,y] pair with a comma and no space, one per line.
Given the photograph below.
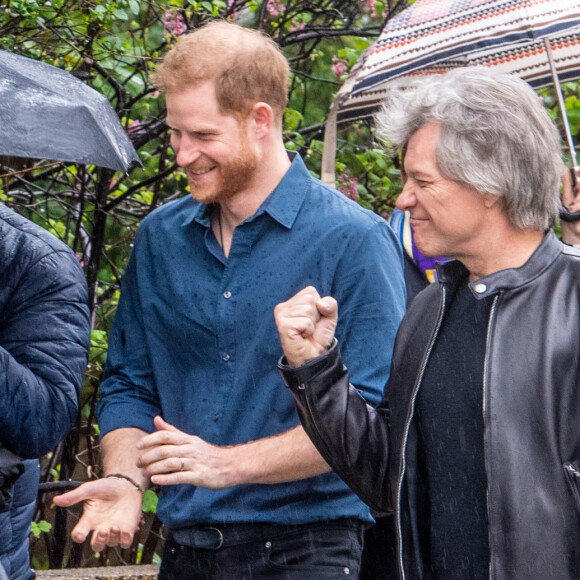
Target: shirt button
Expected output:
[225,357]
[227,294]
[480,288]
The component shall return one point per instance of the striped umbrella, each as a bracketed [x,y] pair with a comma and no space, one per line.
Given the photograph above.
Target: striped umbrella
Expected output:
[529,60]
[539,40]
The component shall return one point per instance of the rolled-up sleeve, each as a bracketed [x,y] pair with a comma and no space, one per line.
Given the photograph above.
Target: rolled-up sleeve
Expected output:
[128,395]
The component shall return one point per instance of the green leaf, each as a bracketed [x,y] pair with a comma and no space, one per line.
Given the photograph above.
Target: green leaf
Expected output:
[120,14]
[37,528]
[134,6]
[292,119]
[150,500]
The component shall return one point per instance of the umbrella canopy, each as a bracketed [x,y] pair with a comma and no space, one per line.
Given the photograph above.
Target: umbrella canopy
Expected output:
[529,60]
[436,31]
[47,113]
[539,40]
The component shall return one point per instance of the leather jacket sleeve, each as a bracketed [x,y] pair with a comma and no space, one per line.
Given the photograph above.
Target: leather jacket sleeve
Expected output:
[351,435]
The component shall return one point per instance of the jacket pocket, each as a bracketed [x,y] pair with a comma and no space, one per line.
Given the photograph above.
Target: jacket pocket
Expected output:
[573,477]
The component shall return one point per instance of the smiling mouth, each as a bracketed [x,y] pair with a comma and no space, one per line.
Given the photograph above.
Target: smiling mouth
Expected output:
[200,171]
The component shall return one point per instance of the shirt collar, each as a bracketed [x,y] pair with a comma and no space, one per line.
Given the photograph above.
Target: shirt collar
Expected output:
[283,204]
[199,213]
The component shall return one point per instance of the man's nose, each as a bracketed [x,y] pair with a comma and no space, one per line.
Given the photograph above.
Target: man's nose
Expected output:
[186,151]
[406,199]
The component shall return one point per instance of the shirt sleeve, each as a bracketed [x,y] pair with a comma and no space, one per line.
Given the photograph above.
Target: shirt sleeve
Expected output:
[128,395]
[44,342]
[370,289]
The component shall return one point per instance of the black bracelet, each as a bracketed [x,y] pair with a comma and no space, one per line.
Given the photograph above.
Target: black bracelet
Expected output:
[129,479]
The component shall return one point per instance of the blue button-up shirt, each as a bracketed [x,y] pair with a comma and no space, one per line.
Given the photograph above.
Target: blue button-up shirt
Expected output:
[194,337]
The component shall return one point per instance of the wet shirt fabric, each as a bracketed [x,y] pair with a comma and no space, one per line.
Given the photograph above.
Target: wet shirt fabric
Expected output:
[194,338]
[450,428]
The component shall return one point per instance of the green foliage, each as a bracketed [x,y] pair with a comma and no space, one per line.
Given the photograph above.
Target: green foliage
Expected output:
[38,528]
[98,351]
[150,500]
[571,94]
[573,113]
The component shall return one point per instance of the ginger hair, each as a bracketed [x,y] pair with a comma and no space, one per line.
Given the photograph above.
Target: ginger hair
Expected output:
[246,66]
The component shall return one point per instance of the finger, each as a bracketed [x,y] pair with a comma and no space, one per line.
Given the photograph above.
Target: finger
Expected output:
[163,437]
[163,425]
[570,197]
[575,181]
[308,291]
[567,193]
[308,295]
[126,539]
[71,497]
[99,540]
[174,478]
[328,307]
[119,537]
[302,327]
[81,531]
[157,459]
[114,538]
[165,464]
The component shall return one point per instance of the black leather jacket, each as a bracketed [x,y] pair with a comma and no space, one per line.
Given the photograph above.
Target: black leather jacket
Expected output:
[531,406]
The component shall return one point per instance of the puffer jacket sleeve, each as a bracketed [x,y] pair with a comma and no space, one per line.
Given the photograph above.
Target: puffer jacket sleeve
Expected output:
[352,436]
[44,338]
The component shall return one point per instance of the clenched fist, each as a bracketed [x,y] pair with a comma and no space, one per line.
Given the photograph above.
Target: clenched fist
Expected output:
[306,324]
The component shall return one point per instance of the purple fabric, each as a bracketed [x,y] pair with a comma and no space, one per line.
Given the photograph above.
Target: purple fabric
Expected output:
[425,264]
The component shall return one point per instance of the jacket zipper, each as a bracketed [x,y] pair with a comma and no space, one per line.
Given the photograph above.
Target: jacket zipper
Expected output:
[484,411]
[408,424]
[570,467]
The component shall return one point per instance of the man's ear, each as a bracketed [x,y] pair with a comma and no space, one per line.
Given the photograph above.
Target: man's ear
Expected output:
[262,118]
[491,200]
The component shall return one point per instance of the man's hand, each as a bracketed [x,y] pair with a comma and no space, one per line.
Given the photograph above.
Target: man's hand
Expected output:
[112,512]
[171,457]
[571,200]
[306,325]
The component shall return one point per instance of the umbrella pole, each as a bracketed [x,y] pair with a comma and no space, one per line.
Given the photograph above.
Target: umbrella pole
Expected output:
[328,168]
[562,106]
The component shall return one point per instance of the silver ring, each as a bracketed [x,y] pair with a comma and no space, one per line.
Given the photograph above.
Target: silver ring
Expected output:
[182,464]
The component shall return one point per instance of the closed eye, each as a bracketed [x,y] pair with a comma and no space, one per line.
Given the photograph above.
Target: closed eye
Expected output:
[203,136]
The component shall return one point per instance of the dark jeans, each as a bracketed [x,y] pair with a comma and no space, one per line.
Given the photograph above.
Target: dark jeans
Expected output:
[318,551]
[379,559]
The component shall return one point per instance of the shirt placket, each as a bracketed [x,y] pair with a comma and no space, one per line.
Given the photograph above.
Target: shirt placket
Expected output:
[232,282]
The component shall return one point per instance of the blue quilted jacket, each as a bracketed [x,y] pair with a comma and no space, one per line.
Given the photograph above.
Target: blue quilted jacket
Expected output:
[44,340]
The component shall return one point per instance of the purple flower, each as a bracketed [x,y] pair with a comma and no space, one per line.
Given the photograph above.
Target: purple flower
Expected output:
[369,6]
[347,184]
[339,67]
[274,7]
[174,23]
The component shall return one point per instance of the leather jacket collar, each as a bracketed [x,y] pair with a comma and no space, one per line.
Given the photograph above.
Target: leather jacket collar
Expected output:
[452,273]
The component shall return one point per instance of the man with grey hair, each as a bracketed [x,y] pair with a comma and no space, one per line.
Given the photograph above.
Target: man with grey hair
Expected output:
[475,446]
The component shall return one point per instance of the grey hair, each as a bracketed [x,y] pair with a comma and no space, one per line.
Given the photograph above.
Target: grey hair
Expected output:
[495,137]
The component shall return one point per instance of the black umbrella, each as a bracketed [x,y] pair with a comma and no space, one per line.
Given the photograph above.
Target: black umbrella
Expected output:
[47,113]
